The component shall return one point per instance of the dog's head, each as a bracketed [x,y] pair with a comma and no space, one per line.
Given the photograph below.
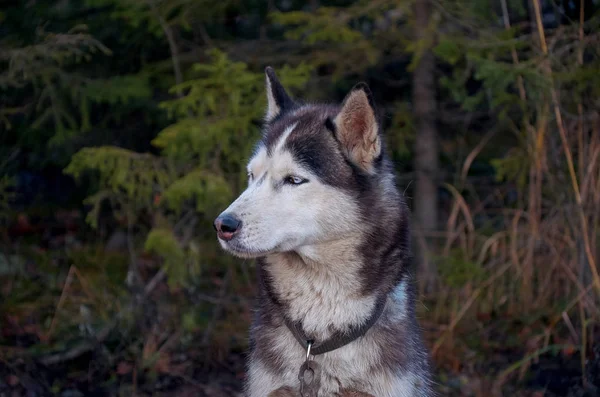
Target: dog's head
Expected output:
[307,175]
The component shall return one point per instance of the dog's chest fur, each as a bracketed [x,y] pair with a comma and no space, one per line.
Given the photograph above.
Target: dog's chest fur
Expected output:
[385,362]
[323,298]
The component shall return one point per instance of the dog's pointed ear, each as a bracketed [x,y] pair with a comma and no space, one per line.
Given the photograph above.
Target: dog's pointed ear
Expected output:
[278,101]
[356,128]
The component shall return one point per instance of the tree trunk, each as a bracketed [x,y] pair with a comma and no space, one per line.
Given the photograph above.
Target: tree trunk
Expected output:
[426,145]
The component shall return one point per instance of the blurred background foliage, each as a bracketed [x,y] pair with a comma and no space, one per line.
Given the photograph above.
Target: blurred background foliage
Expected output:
[125,127]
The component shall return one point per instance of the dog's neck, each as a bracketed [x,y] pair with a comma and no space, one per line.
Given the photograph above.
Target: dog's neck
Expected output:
[320,286]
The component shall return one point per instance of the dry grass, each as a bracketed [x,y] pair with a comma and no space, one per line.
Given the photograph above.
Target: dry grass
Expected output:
[540,265]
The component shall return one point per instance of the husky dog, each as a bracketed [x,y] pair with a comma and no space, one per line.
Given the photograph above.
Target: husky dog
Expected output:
[330,230]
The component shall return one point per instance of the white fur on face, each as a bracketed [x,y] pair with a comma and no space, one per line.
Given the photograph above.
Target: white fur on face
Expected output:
[280,217]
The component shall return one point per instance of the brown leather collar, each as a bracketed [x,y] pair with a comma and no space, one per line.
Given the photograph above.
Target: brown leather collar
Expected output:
[338,338]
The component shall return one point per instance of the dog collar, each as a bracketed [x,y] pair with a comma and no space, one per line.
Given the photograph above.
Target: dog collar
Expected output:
[338,338]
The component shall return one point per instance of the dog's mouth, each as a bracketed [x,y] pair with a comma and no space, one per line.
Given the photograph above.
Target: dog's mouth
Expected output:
[235,248]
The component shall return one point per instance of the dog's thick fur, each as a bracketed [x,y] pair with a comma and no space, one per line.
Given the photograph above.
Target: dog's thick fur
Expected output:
[330,230]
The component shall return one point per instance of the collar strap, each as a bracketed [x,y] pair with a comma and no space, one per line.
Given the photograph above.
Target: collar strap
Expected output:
[338,338]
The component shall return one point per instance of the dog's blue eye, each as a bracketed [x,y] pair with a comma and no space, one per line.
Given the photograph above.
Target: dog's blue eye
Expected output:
[250,176]
[294,180]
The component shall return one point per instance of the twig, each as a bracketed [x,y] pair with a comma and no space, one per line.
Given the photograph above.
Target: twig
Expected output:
[172,45]
[460,204]
[86,346]
[473,154]
[218,308]
[77,350]
[569,306]
[63,296]
[567,320]
[582,177]
[13,154]
[133,277]
[513,51]
[158,277]
[468,304]
[204,34]
[504,374]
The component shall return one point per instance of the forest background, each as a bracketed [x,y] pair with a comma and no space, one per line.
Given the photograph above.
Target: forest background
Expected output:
[125,126]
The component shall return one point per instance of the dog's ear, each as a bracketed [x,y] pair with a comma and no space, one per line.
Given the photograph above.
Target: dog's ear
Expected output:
[356,128]
[278,101]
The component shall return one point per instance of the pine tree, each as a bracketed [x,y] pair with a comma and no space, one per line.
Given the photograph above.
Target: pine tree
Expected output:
[200,165]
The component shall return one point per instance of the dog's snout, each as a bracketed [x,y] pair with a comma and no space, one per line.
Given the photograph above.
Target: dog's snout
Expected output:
[227,226]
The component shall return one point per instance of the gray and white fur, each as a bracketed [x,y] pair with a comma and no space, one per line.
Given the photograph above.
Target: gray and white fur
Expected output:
[330,231]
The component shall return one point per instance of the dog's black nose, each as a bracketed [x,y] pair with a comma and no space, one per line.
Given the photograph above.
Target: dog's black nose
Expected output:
[227,226]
